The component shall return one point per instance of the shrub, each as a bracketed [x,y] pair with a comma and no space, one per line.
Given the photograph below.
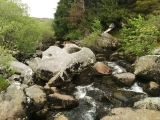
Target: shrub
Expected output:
[5,59]
[17,30]
[96,25]
[73,35]
[93,39]
[139,36]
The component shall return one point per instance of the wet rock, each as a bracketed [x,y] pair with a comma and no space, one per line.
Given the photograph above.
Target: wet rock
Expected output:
[24,70]
[67,89]
[152,88]
[152,103]
[102,69]
[85,77]
[38,96]
[54,90]
[128,97]
[40,114]
[97,95]
[107,81]
[148,68]
[59,65]
[116,69]
[132,114]
[100,57]
[14,104]
[125,78]
[60,116]
[59,101]
[121,55]
[126,65]
[50,90]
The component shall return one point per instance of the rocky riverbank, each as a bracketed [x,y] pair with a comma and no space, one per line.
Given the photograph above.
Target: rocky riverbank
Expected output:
[75,82]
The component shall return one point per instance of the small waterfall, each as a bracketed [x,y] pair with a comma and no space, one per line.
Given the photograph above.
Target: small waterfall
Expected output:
[115,68]
[81,94]
[134,88]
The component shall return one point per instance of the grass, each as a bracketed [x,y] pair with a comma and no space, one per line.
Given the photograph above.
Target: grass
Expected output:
[3,83]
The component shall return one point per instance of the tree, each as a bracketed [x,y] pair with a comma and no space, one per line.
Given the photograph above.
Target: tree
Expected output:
[146,6]
[61,19]
[17,31]
[75,17]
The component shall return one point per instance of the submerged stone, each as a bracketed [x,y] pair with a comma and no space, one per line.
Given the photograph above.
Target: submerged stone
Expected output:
[128,97]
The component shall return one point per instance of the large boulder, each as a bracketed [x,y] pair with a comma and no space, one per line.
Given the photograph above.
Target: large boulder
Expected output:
[108,41]
[152,88]
[14,104]
[128,97]
[86,77]
[132,114]
[148,68]
[152,103]
[125,78]
[59,101]
[58,65]
[38,96]
[104,44]
[24,70]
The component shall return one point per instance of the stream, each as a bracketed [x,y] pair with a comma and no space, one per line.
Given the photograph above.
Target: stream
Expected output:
[96,99]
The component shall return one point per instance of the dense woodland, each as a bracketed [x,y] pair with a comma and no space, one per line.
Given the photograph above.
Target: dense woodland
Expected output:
[137,22]
[77,16]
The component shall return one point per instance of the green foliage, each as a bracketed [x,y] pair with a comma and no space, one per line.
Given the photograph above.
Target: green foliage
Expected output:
[3,83]
[72,15]
[61,19]
[67,20]
[146,6]
[5,59]
[17,30]
[73,35]
[47,33]
[140,36]
[92,40]
[96,25]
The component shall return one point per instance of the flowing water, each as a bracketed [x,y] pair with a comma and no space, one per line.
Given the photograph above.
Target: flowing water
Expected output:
[91,101]
[82,93]
[134,88]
